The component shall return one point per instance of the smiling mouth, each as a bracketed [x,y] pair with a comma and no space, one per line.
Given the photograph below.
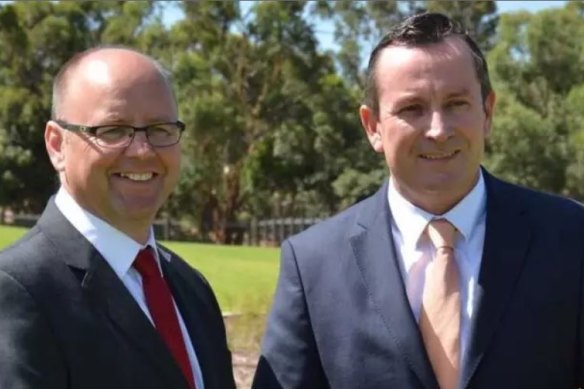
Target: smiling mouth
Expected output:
[137,177]
[439,156]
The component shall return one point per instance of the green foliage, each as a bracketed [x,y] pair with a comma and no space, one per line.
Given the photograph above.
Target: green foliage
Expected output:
[358,26]
[575,122]
[268,116]
[524,147]
[537,68]
[353,185]
[272,122]
[478,17]
[36,38]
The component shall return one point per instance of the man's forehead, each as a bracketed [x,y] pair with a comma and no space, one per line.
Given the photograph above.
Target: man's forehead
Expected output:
[418,62]
[114,72]
[405,72]
[448,46]
[117,64]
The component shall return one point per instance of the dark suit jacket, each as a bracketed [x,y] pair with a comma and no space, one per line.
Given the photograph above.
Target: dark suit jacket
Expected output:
[341,318]
[67,321]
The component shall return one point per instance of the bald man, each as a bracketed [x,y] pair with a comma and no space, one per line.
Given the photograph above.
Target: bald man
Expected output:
[88,298]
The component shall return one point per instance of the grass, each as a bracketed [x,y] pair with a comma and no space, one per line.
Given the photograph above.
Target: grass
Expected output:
[243,278]
[9,235]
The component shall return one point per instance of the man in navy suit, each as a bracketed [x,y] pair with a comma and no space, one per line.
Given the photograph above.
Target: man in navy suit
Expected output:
[88,298]
[372,299]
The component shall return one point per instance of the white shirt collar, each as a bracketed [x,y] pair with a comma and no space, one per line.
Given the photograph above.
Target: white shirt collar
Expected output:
[117,248]
[411,221]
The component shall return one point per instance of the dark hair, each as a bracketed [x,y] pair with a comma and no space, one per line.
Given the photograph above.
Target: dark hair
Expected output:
[419,30]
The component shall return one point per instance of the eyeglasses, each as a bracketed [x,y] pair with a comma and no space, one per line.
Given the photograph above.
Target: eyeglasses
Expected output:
[119,136]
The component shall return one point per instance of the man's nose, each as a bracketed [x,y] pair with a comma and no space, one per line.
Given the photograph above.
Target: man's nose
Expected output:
[439,129]
[139,144]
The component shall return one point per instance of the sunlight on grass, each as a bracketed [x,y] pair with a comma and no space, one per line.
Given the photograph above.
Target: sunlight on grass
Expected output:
[9,235]
[243,278]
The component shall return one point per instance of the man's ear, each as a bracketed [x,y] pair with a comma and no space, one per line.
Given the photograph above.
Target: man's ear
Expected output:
[54,142]
[369,123]
[489,108]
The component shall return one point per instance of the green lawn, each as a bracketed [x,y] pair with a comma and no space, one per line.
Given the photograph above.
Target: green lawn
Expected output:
[243,278]
[9,235]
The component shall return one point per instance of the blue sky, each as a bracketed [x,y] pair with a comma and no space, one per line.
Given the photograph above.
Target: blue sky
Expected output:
[325,31]
[532,6]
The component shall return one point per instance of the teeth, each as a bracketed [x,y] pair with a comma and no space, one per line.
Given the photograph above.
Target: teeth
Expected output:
[137,176]
[438,156]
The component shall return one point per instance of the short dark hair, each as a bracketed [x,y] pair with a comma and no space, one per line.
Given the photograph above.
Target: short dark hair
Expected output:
[419,30]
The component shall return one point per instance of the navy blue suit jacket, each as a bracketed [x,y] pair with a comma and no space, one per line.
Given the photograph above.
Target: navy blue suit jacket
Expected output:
[341,318]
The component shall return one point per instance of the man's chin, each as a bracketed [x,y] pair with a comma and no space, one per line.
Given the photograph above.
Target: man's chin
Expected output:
[135,214]
[448,187]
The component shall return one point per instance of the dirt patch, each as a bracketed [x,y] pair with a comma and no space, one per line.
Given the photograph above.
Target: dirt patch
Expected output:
[244,333]
[244,365]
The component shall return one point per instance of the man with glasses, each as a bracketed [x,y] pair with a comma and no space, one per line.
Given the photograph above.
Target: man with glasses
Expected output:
[88,298]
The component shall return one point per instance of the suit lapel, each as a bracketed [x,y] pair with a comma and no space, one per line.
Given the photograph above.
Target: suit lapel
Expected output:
[192,315]
[106,289]
[507,236]
[376,259]
[107,292]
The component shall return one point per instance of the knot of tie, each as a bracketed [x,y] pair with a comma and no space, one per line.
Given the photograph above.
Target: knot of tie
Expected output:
[442,233]
[145,263]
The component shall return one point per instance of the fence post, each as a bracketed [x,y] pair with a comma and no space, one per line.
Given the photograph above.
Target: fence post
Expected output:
[253,232]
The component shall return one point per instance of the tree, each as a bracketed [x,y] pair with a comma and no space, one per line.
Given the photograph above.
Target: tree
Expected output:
[537,69]
[358,26]
[265,111]
[35,40]
[480,18]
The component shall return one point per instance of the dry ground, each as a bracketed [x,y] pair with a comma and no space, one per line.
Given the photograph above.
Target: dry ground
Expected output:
[244,333]
[244,364]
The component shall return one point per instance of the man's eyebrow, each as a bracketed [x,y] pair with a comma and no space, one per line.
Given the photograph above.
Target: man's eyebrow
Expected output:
[408,99]
[460,92]
[117,120]
[113,119]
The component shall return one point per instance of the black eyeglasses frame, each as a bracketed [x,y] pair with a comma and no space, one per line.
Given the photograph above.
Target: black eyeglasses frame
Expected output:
[92,130]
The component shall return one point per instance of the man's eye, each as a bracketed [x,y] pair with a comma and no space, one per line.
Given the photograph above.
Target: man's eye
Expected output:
[411,109]
[457,104]
[160,130]
[114,132]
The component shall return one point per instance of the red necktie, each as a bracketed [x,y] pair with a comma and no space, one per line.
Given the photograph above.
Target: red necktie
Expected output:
[159,300]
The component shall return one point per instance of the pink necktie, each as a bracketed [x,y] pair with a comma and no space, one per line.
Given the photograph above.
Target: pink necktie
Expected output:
[440,313]
[161,307]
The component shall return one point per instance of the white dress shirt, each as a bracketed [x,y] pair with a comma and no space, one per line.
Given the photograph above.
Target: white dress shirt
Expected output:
[120,251]
[415,251]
